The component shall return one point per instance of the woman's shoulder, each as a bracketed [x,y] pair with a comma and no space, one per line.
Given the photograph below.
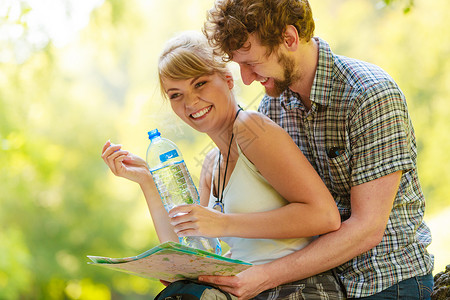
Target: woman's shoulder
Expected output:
[246,115]
[251,121]
[258,136]
[251,125]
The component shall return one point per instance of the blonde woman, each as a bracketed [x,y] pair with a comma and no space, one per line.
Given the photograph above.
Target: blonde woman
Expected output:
[257,177]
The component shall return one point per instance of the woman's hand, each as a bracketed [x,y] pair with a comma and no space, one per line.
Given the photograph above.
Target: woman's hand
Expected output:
[125,164]
[197,220]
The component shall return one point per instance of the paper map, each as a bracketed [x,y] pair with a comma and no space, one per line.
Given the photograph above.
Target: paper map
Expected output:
[171,261]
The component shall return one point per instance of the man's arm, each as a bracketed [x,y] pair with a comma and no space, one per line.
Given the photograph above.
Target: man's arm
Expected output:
[371,204]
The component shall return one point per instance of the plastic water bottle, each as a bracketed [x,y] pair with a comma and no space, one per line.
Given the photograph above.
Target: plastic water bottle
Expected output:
[175,185]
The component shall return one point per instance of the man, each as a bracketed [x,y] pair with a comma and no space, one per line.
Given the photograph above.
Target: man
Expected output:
[351,121]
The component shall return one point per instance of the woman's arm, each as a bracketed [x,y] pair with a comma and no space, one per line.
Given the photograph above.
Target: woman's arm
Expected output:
[312,210]
[132,167]
[205,184]
[161,220]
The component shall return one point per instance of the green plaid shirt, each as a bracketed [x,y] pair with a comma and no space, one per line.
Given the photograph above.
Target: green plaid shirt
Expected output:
[357,130]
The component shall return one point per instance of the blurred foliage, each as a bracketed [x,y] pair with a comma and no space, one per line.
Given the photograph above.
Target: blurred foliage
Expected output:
[60,102]
[407,4]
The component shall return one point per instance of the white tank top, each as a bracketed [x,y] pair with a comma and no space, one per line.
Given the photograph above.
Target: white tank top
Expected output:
[248,191]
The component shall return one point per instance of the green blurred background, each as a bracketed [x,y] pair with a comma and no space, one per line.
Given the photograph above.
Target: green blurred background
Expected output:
[74,74]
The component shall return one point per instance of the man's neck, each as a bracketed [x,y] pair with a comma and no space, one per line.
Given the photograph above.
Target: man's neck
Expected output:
[307,64]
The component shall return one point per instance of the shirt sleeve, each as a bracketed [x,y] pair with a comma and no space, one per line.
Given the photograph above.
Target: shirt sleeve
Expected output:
[382,136]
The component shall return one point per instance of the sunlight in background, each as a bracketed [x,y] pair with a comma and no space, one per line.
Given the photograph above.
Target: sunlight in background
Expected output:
[32,24]
[75,73]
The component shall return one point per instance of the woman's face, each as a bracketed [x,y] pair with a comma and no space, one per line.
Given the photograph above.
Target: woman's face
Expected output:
[204,102]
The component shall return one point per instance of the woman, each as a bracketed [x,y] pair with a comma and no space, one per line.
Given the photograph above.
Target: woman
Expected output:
[273,201]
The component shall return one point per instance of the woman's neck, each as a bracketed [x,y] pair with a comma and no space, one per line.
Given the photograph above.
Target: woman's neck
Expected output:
[223,136]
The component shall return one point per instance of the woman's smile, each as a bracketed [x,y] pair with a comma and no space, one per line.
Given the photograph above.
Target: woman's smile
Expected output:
[201,113]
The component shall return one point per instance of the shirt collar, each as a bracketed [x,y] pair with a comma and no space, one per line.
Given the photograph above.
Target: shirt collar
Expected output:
[322,85]
[291,100]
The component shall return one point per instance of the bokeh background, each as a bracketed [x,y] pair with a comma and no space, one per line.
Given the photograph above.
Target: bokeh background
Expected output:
[75,73]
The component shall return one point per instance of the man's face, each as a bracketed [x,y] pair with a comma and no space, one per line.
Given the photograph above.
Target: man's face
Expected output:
[275,72]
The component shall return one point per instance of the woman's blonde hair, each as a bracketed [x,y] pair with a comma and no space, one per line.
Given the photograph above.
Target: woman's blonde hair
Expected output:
[188,55]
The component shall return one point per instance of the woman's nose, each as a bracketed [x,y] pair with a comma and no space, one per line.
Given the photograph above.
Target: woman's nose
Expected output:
[191,100]
[247,74]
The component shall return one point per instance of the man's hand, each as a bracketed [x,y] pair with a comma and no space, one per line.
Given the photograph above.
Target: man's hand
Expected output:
[244,285]
[165,283]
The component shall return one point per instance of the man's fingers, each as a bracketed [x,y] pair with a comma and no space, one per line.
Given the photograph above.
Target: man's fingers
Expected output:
[222,281]
[227,284]
[166,283]
[228,290]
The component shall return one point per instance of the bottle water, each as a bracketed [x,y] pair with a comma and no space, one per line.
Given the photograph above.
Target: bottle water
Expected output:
[175,185]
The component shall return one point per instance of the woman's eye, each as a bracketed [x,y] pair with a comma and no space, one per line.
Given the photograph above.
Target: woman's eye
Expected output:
[199,84]
[174,96]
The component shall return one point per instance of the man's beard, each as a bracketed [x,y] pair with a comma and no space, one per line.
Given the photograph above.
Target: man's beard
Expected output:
[281,85]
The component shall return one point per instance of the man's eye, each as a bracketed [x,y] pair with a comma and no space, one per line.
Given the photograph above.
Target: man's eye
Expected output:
[199,84]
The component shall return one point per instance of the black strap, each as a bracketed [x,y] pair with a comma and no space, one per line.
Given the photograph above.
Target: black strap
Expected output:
[186,296]
[220,195]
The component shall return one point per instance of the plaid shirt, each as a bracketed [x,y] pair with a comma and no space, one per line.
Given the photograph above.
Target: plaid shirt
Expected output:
[357,130]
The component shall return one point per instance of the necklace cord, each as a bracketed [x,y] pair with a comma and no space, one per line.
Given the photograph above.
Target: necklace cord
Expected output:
[220,195]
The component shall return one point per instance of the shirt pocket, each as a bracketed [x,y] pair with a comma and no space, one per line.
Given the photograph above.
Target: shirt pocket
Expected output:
[339,171]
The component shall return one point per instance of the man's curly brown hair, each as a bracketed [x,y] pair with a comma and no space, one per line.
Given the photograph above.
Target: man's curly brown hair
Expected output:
[230,22]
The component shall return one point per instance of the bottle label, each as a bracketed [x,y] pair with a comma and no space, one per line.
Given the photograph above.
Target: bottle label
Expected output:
[168,155]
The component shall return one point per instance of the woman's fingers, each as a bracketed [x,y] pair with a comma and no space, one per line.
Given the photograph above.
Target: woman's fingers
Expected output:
[114,156]
[183,228]
[108,149]
[105,146]
[182,219]
[112,149]
[181,210]
[194,219]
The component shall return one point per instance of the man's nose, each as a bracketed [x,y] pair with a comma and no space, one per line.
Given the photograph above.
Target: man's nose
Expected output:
[247,74]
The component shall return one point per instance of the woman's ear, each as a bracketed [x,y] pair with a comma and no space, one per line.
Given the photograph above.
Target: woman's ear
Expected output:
[230,80]
[291,38]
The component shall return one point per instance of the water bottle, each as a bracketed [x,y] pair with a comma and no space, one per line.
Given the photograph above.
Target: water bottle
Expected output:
[175,185]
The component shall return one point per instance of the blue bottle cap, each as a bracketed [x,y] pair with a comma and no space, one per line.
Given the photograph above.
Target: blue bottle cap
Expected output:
[153,133]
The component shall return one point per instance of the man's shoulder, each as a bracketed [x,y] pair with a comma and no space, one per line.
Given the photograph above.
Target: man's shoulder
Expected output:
[348,70]
[343,76]
[358,73]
